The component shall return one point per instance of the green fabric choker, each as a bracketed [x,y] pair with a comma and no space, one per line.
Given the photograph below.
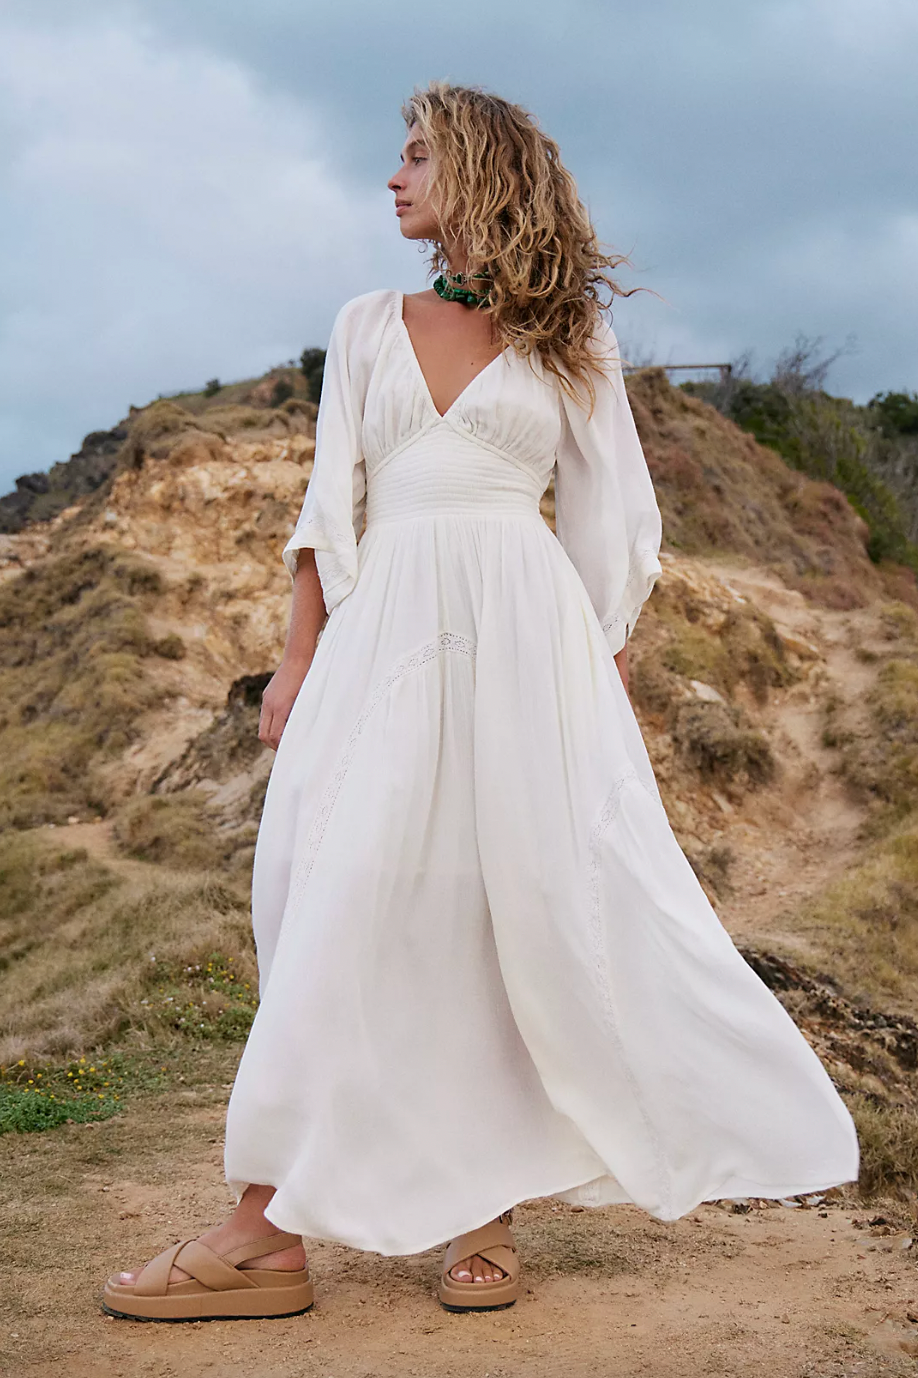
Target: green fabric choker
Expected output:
[453,289]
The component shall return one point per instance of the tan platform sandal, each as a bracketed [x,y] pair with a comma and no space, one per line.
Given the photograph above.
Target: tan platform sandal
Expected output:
[217,1288]
[493,1242]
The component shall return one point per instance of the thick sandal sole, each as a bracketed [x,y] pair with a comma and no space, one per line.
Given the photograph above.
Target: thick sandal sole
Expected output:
[469,1298]
[496,1306]
[187,1320]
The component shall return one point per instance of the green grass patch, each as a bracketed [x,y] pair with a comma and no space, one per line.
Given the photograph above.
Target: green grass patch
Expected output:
[40,1096]
[214,999]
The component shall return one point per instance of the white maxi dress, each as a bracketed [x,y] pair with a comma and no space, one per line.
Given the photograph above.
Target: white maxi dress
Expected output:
[487,971]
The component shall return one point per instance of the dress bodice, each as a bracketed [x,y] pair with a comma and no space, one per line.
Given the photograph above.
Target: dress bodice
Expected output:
[384,454]
[508,409]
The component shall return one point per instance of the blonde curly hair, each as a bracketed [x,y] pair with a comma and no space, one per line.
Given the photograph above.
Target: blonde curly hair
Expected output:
[502,193]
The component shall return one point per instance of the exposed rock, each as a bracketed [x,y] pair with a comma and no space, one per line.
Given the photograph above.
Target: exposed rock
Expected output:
[39,497]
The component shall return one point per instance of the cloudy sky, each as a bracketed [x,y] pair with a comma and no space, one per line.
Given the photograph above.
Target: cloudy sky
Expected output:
[191,188]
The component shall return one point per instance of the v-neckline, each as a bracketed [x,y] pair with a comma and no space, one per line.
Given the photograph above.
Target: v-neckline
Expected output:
[400,312]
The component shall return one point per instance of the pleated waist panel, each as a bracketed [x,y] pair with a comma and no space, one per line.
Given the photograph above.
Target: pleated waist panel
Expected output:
[449,474]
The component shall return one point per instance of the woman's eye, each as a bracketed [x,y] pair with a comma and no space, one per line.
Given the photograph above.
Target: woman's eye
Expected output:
[419,159]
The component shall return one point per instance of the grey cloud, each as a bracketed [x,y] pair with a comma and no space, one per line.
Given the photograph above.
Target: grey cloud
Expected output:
[754,159]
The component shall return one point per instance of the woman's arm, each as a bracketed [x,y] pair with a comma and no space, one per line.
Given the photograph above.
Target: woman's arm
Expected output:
[307,615]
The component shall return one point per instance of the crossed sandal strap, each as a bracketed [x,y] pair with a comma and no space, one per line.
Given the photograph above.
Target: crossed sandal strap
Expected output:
[268,1244]
[493,1242]
[195,1258]
[153,1278]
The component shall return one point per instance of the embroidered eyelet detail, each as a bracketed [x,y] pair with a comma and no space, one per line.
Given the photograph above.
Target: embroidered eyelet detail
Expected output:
[644,570]
[446,641]
[321,534]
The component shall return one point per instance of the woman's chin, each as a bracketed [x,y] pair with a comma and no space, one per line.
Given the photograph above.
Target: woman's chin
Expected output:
[414,229]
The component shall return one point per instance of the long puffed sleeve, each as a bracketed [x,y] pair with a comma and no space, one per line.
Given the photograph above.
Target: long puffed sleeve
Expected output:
[606,513]
[332,514]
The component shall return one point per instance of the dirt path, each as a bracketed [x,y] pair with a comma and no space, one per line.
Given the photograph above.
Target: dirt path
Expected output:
[772,1293]
[802,834]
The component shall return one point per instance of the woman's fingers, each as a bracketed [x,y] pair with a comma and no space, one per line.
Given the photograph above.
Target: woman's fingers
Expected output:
[267,728]
[271,726]
[276,704]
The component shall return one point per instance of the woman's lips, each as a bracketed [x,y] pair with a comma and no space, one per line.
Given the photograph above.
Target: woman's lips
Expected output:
[402,206]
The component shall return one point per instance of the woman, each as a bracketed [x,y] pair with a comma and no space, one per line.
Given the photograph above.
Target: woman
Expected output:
[487,970]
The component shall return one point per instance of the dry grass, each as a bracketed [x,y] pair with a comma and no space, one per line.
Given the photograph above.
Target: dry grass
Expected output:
[867,924]
[83,944]
[720,491]
[737,650]
[74,679]
[878,746]
[881,764]
[888,1137]
[173,830]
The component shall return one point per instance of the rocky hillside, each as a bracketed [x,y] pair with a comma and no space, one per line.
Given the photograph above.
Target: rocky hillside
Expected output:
[775,672]
[38,497]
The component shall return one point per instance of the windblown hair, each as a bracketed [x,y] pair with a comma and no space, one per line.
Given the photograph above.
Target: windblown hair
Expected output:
[502,193]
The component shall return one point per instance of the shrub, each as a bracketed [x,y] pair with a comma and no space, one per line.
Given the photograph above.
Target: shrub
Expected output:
[170,647]
[281,392]
[212,387]
[832,439]
[896,413]
[888,1138]
[713,738]
[170,829]
[312,366]
[744,649]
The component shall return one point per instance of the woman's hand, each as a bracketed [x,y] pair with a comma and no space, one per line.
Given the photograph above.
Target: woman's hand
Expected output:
[307,613]
[277,701]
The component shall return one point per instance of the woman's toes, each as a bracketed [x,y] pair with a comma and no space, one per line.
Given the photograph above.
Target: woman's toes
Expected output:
[476,1269]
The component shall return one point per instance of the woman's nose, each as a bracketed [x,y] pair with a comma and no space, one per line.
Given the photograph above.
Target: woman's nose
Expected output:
[395,182]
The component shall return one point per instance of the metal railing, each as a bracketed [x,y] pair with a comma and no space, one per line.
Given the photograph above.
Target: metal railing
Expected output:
[725,369]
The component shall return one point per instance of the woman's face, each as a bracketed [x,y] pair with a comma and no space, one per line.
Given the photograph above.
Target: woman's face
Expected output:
[416,217]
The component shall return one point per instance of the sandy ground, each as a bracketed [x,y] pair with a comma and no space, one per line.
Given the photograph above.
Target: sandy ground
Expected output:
[772,1292]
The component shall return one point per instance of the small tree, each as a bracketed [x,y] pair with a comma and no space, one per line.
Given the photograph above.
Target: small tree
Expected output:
[896,413]
[212,387]
[312,367]
[282,389]
[803,367]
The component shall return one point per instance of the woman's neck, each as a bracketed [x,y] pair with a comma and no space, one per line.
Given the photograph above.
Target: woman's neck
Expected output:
[457,259]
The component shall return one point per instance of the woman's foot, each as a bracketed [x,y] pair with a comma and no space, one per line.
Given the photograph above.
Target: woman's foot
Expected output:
[476,1268]
[245,1225]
